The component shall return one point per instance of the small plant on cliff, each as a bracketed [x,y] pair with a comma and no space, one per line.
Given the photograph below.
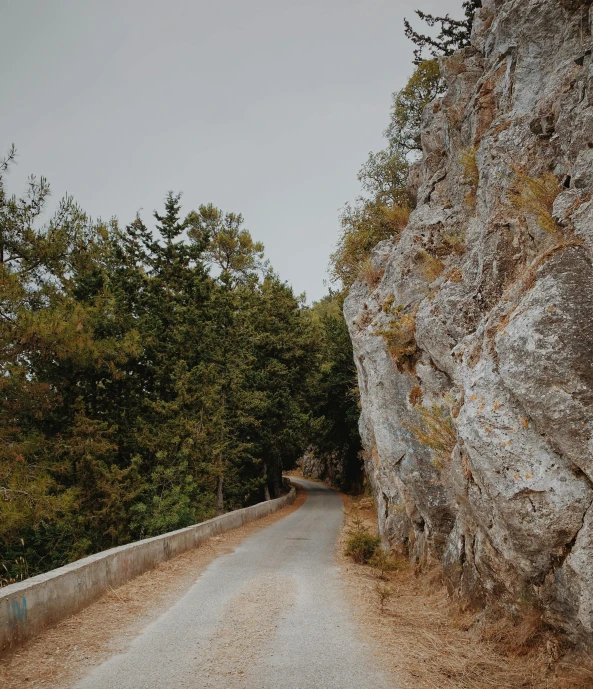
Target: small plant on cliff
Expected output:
[400,336]
[436,431]
[535,196]
[454,241]
[432,267]
[453,33]
[364,225]
[369,274]
[416,396]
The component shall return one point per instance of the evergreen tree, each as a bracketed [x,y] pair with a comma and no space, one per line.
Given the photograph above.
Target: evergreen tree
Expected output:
[453,33]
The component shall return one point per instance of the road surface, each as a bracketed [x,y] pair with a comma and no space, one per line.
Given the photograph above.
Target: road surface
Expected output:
[270,615]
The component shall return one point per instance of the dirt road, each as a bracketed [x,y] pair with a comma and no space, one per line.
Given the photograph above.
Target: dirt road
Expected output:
[270,615]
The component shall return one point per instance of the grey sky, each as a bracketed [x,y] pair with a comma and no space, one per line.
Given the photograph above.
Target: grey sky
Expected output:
[264,107]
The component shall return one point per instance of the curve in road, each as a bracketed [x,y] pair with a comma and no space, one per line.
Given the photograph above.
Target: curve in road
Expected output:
[270,615]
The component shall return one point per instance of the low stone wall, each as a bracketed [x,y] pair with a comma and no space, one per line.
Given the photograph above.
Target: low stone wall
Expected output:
[34,604]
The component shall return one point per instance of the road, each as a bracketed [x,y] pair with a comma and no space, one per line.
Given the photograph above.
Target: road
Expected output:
[270,615]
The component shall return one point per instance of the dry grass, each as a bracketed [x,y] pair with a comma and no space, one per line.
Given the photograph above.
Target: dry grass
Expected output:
[534,197]
[400,336]
[432,267]
[396,217]
[421,635]
[436,431]
[369,274]
[416,396]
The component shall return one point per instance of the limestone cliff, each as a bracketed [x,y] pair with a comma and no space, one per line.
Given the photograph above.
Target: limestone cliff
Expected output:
[474,346]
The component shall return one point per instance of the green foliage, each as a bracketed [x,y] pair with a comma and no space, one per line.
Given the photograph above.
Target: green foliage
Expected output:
[139,392]
[425,84]
[364,225]
[453,33]
[383,212]
[361,546]
[333,392]
[383,561]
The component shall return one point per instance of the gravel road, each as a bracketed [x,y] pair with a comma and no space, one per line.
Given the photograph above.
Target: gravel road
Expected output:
[270,615]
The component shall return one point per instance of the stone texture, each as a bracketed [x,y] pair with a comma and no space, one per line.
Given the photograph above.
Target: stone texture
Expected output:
[504,335]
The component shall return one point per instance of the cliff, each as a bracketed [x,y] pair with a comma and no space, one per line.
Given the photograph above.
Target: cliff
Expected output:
[474,344]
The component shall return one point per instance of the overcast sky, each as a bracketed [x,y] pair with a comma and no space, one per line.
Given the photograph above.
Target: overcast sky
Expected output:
[263,107]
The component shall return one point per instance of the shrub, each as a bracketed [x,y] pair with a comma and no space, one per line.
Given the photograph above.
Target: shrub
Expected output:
[535,196]
[432,267]
[403,132]
[364,225]
[361,546]
[384,592]
[369,274]
[437,432]
[383,562]
[400,336]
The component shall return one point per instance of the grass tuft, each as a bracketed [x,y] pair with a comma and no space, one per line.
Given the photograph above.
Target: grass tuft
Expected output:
[432,267]
[436,431]
[369,274]
[535,196]
[400,336]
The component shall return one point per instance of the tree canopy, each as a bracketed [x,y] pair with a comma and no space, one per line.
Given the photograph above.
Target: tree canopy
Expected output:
[151,376]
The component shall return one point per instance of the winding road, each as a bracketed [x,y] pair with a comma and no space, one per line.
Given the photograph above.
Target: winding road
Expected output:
[270,615]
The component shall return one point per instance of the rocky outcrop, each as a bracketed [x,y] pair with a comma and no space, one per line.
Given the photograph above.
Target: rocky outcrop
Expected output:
[339,469]
[478,428]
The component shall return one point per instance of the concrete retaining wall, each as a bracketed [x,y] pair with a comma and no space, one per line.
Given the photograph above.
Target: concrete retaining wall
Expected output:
[34,604]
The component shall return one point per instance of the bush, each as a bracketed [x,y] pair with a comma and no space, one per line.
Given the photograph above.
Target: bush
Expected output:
[400,336]
[364,225]
[370,275]
[383,562]
[361,546]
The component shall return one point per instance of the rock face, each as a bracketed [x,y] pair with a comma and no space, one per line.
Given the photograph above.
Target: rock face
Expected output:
[478,434]
[337,469]
[323,468]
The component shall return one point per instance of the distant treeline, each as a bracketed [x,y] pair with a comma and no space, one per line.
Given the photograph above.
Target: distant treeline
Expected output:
[151,377]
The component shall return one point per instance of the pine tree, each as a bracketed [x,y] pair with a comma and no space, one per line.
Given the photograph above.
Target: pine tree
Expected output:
[453,33]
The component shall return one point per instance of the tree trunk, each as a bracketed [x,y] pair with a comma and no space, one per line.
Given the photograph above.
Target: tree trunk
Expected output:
[266,487]
[219,495]
[276,481]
